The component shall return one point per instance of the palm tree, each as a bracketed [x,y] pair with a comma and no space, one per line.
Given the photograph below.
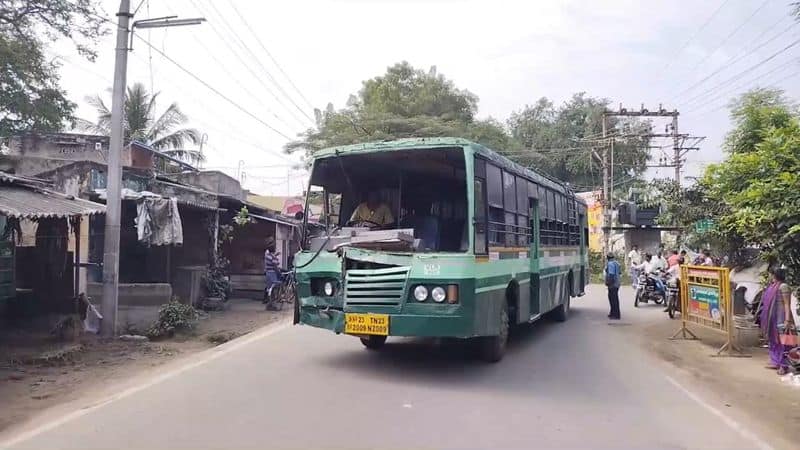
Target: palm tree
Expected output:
[140,124]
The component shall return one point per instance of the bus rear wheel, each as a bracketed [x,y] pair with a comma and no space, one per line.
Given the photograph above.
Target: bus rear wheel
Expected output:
[373,342]
[493,348]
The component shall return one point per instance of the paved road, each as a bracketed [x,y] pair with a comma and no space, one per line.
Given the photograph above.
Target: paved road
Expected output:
[581,384]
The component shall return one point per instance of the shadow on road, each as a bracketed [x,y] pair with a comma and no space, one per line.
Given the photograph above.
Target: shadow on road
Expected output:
[454,362]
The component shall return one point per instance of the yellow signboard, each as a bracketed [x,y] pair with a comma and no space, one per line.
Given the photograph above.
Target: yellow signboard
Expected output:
[706,300]
[594,217]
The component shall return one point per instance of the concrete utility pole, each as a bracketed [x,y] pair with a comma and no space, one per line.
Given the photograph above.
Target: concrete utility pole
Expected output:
[676,147]
[108,326]
[606,195]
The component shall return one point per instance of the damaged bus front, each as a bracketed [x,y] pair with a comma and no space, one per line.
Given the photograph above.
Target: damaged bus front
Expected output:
[397,242]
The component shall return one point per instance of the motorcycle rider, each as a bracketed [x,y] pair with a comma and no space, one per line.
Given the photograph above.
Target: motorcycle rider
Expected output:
[646,266]
[674,273]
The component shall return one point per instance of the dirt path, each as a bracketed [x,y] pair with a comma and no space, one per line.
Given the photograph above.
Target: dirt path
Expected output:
[740,383]
[37,374]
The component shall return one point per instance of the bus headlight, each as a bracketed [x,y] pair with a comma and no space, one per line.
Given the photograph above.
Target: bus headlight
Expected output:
[438,295]
[420,293]
[328,288]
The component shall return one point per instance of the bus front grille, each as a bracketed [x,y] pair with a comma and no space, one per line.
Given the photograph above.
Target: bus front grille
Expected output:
[384,287]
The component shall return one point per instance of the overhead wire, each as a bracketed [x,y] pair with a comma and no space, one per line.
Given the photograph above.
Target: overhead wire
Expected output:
[246,48]
[743,72]
[696,33]
[729,63]
[774,83]
[730,35]
[758,79]
[264,48]
[225,41]
[200,80]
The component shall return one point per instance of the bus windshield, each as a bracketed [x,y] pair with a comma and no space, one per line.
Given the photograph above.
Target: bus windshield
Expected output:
[405,200]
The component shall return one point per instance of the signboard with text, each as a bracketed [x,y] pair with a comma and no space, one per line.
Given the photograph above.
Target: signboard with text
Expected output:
[706,300]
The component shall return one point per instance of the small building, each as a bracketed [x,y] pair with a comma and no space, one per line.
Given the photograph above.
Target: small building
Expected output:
[192,203]
[41,273]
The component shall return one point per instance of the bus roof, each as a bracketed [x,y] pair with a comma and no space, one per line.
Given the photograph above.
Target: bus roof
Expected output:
[449,142]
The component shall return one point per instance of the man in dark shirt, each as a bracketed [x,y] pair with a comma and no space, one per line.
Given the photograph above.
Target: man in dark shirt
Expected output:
[271,267]
[613,273]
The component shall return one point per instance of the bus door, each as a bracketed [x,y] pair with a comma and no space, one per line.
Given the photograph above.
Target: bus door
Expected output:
[534,251]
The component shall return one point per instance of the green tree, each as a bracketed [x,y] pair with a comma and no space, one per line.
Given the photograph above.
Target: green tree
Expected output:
[753,114]
[404,102]
[760,193]
[142,124]
[559,140]
[30,96]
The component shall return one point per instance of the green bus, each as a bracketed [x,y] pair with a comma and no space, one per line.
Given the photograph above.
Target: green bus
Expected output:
[476,243]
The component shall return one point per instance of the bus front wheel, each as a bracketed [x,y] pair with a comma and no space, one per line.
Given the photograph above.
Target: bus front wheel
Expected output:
[373,342]
[492,348]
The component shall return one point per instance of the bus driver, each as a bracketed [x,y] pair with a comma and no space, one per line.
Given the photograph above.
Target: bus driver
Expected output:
[373,212]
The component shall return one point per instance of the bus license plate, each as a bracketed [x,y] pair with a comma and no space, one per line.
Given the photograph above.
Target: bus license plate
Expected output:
[376,324]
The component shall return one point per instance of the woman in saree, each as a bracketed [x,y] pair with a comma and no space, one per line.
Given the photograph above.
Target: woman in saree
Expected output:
[776,310]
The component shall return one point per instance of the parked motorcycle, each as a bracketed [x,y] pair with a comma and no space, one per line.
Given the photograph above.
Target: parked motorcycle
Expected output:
[650,287]
[673,297]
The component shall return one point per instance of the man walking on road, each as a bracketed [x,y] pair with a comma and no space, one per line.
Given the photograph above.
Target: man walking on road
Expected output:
[634,260]
[613,273]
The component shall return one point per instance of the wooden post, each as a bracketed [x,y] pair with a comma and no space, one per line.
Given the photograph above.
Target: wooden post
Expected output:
[76,224]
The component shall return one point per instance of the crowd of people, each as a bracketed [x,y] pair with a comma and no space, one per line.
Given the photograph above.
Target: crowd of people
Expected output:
[775,315]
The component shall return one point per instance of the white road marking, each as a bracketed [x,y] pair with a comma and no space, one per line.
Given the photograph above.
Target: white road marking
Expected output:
[203,358]
[743,432]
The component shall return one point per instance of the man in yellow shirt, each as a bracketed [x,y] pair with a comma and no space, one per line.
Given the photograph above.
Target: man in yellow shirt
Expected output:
[373,213]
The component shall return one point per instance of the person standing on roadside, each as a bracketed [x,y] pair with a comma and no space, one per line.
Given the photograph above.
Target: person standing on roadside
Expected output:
[634,261]
[776,312]
[613,274]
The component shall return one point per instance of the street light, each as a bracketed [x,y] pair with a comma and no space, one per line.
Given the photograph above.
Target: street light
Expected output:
[108,326]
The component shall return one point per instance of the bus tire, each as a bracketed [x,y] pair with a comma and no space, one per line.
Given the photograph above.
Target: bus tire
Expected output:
[561,313]
[493,348]
[373,342]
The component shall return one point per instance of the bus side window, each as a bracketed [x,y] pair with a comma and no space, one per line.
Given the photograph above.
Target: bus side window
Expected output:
[494,201]
[480,216]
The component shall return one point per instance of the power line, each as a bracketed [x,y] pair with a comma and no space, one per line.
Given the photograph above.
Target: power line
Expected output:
[730,62]
[237,136]
[258,61]
[263,47]
[204,83]
[775,83]
[730,35]
[696,33]
[744,72]
[759,78]
[213,89]
[244,63]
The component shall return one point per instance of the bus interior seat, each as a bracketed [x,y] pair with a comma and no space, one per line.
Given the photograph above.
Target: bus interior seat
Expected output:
[464,238]
[426,228]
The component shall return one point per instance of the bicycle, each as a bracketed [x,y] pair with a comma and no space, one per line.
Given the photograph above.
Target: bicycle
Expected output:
[284,291]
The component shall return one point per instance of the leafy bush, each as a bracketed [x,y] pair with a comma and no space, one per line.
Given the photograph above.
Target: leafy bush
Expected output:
[173,317]
[216,281]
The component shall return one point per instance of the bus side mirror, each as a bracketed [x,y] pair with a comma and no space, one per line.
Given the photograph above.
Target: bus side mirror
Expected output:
[299,215]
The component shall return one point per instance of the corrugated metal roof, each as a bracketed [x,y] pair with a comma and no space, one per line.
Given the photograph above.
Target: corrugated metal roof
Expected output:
[22,202]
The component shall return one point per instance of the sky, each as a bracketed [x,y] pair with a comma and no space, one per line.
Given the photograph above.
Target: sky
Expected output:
[274,61]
